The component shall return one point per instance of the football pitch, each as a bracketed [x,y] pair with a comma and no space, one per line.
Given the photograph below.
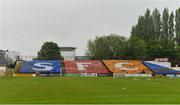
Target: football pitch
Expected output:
[89,90]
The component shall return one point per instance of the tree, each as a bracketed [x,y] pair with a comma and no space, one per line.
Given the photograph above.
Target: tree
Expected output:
[171,27]
[158,34]
[133,31]
[117,45]
[177,26]
[91,48]
[137,48]
[49,51]
[177,53]
[106,47]
[165,25]
[144,28]
[138,30]
[149,26]
[153,49]
[157,23]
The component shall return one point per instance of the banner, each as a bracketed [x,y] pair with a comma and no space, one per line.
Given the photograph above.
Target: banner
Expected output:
[126,67]
[158,68]
[85,66]
[42,66]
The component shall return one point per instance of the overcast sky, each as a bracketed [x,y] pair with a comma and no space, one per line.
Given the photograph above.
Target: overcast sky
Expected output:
[26,24]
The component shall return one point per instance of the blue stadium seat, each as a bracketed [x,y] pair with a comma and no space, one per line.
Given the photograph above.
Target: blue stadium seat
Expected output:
[157,69]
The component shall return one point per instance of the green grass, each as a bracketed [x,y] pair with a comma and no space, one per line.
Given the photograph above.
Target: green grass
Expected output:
[89,90]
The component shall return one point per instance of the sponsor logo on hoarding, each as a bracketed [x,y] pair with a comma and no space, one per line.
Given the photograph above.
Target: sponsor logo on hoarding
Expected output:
[128,67]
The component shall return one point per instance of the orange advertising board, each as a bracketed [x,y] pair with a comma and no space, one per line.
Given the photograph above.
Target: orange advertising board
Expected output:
[126,67]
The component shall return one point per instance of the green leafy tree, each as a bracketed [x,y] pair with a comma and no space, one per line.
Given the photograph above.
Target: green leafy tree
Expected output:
[177,26]
[133,31]
[117,46]
[140,28]
[144,28]
[149,26]
[153,49]
[106,47]
[177,58]
[165,25]
[157,23]
[49,51]
[137,48]
[171,27]
[158,33]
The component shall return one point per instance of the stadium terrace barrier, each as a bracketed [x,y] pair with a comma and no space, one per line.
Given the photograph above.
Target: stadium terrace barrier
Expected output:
[160,69]
[24,75]
[171,76]
[47,74]
[178,76]
[138,75]
[86,66]
[122,67]
[175,68]
[89,74]
[41,67]
[118,75]
[74,75]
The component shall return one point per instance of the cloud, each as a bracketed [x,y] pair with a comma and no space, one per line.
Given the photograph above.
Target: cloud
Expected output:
[26,24]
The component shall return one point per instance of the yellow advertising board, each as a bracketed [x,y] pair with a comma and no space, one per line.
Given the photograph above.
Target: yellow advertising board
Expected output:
[23,75]
[126,67]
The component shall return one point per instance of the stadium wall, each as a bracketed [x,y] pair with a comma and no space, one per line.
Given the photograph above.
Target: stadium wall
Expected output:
[74,75]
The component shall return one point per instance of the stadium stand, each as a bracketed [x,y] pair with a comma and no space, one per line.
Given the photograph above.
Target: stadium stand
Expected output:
[41,66]
[85,66]
[157,68]
[122,67]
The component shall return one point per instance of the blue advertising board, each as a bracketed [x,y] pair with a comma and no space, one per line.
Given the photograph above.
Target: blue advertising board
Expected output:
[42,66]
